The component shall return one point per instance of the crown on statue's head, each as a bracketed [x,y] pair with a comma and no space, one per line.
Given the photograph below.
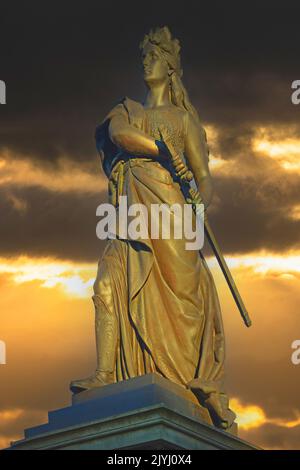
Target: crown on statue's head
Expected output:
[170,47]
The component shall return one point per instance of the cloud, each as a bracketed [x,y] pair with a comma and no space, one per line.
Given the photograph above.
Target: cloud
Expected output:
[54,333]
[266,263]
[271,434]
[63,84]
[74,279]
[49,336]
[12,419]
[248,416]
[255,206]
[63,176]
[55,224]
[259,368]
[17,203]
[256,193]
[246,216]
[285,150]
[273,437]
[253,416]
[10,415]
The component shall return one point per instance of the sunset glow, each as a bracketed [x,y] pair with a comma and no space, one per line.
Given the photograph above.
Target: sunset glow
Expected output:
[68,70]
[286,151]
[248,416]
[74,279]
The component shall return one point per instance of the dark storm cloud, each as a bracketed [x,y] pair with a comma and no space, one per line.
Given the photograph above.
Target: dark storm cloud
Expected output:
[66,64]
[65,67]
[252,212]
[257,214]
[271,436]
[233,141]
[51,224]
[230,97]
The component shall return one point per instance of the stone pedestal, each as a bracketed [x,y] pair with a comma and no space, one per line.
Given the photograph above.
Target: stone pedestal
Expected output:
[147,412]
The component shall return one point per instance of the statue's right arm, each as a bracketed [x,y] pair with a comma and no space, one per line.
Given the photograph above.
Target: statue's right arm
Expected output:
[130,139]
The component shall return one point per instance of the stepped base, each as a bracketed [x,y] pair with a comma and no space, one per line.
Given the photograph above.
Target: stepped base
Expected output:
[147,412]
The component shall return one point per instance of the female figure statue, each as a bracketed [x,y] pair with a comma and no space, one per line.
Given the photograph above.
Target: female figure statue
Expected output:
[156,304]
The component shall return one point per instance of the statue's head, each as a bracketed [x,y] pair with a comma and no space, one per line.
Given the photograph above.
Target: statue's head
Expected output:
[161,61]
[160,56]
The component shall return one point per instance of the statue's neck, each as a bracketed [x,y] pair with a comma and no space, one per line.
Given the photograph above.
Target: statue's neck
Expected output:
[158,95]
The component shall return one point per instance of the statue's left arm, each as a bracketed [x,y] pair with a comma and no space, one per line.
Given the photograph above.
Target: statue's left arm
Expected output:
[196,153]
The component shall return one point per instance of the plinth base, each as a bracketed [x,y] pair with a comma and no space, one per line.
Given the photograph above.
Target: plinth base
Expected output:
[147,412]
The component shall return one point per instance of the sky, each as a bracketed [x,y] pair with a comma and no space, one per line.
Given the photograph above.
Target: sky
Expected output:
[65,66]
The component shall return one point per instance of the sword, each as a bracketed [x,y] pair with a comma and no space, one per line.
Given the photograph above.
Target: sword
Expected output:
[186,176]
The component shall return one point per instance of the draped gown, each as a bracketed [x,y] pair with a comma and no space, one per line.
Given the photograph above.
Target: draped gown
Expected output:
[161,296]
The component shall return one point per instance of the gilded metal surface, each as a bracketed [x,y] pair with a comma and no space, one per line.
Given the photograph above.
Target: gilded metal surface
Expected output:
[157,309]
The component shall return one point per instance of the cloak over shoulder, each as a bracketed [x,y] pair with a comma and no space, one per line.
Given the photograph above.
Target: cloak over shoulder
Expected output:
[133,112]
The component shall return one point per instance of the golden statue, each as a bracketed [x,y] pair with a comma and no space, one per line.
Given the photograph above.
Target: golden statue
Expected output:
[156,304]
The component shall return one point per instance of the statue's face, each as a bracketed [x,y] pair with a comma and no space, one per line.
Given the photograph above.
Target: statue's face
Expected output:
[154,65]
